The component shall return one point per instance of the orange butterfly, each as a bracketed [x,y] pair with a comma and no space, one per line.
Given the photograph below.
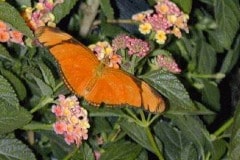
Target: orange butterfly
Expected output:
[90,78]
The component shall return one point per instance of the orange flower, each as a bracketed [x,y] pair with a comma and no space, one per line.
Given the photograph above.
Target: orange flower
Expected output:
[4,36]
[3,26]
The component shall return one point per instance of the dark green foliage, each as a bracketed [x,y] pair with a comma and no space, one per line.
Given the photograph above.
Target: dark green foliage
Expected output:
[200,121]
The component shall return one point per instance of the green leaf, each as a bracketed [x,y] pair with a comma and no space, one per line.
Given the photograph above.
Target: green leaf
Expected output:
[24,3]
[44,88]
[58,146]
[227,16]
[84,153]
[47,75]
[107,9]
[137,133]
[15,82]
[206,57]
[7,94]
[220,148]
[185,5]
[63,9]
[10,15]
[12,118]
[209,2]
[170,87]
[121,150]
[101,125]
[176,145]
[111,30]
[104,112]
[211,95]
[13,149]
[4,54]
[195,132]
[234,146]
[143,155]
[231,58]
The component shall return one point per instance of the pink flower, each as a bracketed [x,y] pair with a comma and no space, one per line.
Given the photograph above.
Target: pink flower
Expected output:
[167,63]
[16,36]
[60,127]
[69,139]
[72,121]
[57,110]
[158,22]
[138,47]
[97,155]
[167,18]
[167,7]
[40,14]
[104,52]
[120,42]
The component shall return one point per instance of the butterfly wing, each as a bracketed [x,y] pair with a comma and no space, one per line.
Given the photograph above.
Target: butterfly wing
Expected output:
[116,87]
[76,62]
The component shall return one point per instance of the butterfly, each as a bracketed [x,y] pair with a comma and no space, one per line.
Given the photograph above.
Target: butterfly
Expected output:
[92,79]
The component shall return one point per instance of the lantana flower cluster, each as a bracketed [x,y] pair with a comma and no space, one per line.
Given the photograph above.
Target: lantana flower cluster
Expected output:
[72,121]
[107,52]
[8,34]
[134,46]
[40,14]
[167,63]
[167,18]
[104,52]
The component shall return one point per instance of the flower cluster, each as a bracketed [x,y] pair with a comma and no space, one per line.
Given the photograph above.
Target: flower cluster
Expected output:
[104,52]
[167,63]
[167,19]
[7,34]
[41,14]
[72,120]
[109,53]
[134,46]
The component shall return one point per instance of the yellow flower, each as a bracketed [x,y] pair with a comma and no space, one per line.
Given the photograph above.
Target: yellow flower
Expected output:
[70,128]
[176,31]
[162,8]
[84,124]
[66,112]
[74,120]
[181,21]
[108,50]
[172,19]
[51,24]
[145,28]
[138,17]
[39,6]
[91,47]
[160,37]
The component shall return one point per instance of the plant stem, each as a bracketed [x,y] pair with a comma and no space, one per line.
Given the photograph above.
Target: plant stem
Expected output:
[43,102]
[207,76]
[37,126]
[71,154]
[58,86]
[116,21]
[225,126]
[153,144]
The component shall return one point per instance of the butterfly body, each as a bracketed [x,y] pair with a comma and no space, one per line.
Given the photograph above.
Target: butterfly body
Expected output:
[92,79]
